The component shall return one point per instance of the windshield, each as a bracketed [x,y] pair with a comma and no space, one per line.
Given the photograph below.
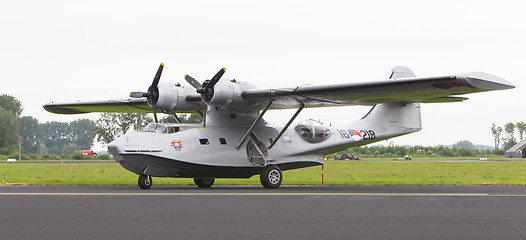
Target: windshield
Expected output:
[154,127]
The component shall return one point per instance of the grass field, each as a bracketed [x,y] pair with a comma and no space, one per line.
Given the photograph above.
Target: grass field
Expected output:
[335,173]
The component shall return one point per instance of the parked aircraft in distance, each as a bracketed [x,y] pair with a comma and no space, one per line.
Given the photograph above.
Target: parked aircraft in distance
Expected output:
[234,141]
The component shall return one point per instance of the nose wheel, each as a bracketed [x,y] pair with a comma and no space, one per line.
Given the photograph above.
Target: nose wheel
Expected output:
[145,181]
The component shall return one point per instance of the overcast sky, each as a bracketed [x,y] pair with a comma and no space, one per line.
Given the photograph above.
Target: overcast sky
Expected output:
[94,50]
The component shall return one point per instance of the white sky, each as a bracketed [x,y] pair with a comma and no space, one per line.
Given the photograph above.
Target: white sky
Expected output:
[95,50]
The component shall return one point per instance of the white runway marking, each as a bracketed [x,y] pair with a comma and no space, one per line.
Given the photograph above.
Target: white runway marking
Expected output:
[153,194]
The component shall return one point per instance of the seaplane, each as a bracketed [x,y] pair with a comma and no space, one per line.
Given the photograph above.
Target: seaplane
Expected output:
[234,140]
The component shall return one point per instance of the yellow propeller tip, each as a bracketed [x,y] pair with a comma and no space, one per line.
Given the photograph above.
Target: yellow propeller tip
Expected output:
[224,69]
[162,64]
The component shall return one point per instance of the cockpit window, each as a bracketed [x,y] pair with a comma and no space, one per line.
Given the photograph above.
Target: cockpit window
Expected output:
[154,127]
[171,129]
[161,128]
[313,131]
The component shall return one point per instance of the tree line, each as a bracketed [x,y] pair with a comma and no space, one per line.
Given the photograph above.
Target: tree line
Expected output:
[56,138]
[460,149]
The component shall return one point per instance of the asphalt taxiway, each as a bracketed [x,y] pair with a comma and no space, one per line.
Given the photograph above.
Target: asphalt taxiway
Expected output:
[251,212]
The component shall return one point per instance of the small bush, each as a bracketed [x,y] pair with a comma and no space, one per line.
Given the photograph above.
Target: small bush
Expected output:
[32,156]
[79,156]
[6,151]
[104,157]
[15,156]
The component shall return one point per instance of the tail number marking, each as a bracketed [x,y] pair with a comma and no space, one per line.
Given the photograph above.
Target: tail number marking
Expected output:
[357,135]
[368,134]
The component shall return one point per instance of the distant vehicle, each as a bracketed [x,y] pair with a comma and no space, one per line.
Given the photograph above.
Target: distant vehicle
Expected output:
[346,157]
[87,152]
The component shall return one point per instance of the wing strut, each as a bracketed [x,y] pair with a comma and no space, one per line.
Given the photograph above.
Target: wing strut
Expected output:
[302,105]
[253,125]
[177,118]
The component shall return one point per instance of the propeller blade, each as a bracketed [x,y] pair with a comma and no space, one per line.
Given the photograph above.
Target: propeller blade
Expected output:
[153,91]
[216,78]
[192,81]
[138,94]
[158,75]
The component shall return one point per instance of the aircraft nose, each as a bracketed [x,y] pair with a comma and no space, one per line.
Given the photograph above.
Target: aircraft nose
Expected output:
[114,150]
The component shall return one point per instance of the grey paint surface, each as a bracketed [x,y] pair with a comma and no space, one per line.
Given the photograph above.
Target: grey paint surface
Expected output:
[285,213]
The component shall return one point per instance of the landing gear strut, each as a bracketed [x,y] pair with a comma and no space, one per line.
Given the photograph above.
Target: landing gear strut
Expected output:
[145,181]
[271,176]
[204,182]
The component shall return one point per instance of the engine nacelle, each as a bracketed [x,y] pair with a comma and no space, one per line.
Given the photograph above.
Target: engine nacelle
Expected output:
[172,98]
[227,96]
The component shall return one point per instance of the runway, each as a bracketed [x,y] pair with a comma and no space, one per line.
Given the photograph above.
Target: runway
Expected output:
[251,212]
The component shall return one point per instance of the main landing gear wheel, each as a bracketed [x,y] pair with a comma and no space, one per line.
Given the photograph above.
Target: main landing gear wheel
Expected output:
[145,181]
[271,176]
[204,182]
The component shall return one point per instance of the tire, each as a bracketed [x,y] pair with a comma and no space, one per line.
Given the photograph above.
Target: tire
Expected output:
[271,176]
[204,182]
[145,181]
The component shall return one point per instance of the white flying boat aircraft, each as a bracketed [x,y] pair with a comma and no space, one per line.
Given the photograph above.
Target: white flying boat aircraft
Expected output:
[234,141]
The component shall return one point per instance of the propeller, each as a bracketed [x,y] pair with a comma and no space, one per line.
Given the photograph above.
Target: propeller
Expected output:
[152,96]
[206,89]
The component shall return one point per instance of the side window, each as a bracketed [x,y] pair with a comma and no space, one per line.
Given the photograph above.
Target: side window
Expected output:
[222,141]
[173,129]
[204,141]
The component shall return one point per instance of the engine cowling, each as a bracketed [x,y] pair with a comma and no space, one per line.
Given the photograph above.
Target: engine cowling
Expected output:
[172,98]
[228,96]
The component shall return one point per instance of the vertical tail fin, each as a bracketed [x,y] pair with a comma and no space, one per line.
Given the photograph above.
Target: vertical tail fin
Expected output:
[401,72]
[393,119]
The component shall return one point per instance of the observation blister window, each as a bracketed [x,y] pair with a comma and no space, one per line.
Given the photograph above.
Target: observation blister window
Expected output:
[312,131]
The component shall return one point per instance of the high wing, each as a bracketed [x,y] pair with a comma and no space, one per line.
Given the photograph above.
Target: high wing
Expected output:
[130,105]
[423,90]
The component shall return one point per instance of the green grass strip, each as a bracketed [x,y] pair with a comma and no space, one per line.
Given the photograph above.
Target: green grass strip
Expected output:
[335,173]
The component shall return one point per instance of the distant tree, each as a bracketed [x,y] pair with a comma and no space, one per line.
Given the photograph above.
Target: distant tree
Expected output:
[509,128]
[185,118]
[41,148]
[510,141]
[82,133]
[11,104]
[464,144]
[56,136]
[8,129]
[112,125]
[496,132]
[521,127]
[171,119]
[69,149]
[31,133]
